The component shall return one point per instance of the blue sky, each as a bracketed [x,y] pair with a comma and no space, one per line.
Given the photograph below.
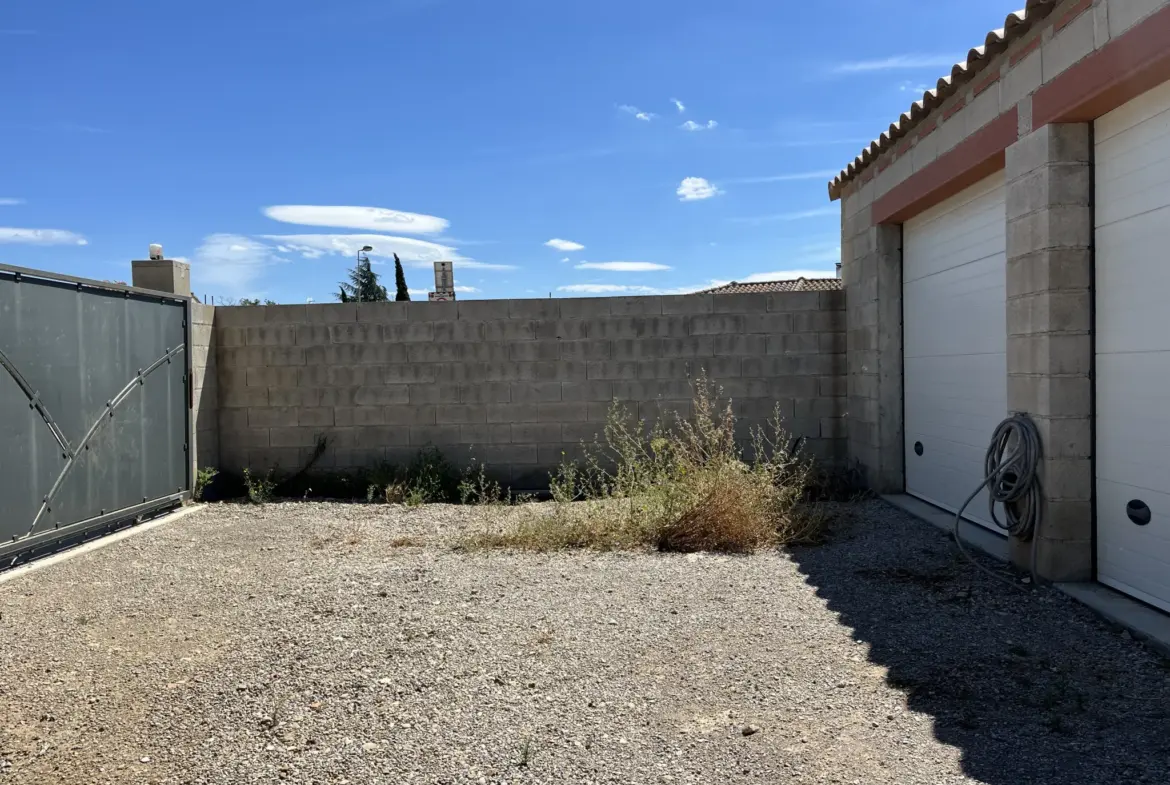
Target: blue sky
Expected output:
[614,146]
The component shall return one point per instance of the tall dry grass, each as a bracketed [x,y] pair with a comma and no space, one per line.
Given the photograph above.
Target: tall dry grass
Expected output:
[685,484]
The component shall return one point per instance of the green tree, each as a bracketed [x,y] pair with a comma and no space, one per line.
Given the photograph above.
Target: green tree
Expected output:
[255,301]
[363,285]
[402,294]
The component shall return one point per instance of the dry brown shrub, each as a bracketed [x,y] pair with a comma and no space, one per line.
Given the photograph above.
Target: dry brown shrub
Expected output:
[683,486]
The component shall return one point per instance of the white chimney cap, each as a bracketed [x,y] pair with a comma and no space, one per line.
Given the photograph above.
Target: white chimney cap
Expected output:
[156,252]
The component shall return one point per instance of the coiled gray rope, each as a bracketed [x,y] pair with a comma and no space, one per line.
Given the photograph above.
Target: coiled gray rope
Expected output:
[1011,479]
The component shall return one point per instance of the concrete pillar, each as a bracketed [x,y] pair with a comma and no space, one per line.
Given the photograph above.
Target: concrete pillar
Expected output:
[1049,324]
[164,275]
[871,273]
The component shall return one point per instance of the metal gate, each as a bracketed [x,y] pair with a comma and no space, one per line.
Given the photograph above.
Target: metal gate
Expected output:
[94,406]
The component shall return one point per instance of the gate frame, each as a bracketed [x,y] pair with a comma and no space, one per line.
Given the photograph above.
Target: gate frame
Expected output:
[55,537]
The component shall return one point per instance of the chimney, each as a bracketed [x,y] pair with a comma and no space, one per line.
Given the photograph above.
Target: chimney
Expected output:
[161,274]
[838,269]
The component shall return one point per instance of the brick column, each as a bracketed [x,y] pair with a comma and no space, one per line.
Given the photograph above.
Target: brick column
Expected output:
[871,273]
[1049,323]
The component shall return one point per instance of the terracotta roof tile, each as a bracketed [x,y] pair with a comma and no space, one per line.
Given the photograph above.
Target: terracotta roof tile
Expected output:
[794,285]
[1014,27]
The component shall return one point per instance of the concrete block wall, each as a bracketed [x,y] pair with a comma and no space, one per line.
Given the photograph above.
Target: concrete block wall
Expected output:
[1049,327]
[514,383]
[204,392]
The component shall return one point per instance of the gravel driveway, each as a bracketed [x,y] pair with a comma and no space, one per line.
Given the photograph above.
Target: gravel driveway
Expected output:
[320,643]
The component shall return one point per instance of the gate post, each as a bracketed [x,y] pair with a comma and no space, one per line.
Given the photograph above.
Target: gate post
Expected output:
[162,275]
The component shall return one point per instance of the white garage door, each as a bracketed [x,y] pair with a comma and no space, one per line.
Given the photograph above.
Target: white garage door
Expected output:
[1133,347]
[955,343]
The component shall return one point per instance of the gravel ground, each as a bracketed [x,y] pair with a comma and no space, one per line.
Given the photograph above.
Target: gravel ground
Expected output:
[321,643]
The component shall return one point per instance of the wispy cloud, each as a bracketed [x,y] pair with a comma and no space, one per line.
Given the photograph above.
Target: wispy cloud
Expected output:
[413,252]
[692,189]
[895,63]
[570,155]
[11,234]
[231,263]
[623,267]
[798,215]
[918,88]
[564,245]
[691,125]
[376,219]
[614,288]
[565,259]
[820,174]
[638,113]
[606,288]
[679,105]
[9,201]
[425,292]
[81,128]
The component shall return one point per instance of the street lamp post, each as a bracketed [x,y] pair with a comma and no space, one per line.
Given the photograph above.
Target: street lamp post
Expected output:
[362,257]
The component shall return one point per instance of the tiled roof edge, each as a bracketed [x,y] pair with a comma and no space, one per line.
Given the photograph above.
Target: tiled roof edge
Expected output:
[1017,24]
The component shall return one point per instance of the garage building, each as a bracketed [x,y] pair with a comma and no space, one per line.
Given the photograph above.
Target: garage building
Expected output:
[1006,248]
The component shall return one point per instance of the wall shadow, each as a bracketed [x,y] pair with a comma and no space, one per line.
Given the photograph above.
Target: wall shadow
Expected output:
[1030,686]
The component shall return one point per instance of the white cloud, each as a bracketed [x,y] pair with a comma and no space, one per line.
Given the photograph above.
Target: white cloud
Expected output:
[798,215]
[638,113]
[606,288]
[820,174]
[612,288]
[623,267]
[8,201]
[412,252]
[377,219]
[11,234]
[678,105]
[694,188]
[691,125]
[917,88]
[425,292]
[897,62]
[231,263]
[565,259]
[564,245]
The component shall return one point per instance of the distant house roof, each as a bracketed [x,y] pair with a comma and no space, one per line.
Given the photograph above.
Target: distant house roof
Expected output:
[794,285]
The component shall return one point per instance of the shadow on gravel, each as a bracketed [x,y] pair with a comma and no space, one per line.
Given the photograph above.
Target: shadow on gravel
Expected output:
[1031,687]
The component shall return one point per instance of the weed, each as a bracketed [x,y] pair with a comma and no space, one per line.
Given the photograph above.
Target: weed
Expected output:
[477,488]
[431,478]
[407,542]
[525,753]
[260,488]
[351,535]
[683,485]
[203,478]
[394,493]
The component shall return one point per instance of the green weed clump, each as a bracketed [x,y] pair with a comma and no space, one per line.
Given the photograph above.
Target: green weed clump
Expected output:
[203,477]
[686,484]
[261,487]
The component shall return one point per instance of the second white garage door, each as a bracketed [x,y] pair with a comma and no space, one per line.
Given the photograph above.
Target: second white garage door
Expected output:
[955,343]
[1133,347]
